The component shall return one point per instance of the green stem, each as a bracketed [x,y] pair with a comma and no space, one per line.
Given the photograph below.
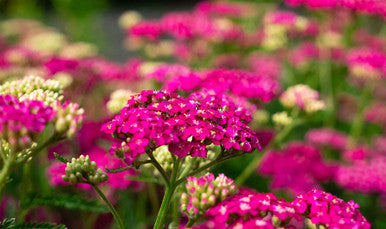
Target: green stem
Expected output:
[207,166]
[188,167]
[5,172]
[25,187]
[158,167]
[357,125]
[154,201]
[191,222]
[176,212]
[249,169]
[110,206]
[247,172]
[327,90]
[164,208]
[169,191]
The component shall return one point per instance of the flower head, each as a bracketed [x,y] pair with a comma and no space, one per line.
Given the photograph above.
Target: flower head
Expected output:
[81,170]
[303,97]
[155,118]
[326,209]
[21,122]
[204,192]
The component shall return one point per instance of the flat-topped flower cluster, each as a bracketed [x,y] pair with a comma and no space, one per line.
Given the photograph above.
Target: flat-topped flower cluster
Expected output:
[155,118]
[248,209]
[21,121]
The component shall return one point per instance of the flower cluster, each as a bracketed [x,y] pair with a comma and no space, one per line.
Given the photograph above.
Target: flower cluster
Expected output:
[155,118]
[367,63]
[34,88]
[67,116]
[265,65]
[297,168]
[369,7]
[366,176]
[251,210]
[165,159]
[328,210]
[103,160]
[243,84]
[81,170]
[303,97]
[302,55]
[205,192]
[118,100]
[327,137]
[277,25]
[22,121]
[184,26]
[281,119]
[375,113]
[263,210]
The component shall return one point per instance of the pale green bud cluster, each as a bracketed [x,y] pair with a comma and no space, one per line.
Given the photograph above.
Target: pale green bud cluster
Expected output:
[82,170]
[118,100]
[303,97]
[281,119]
[165,159]
[45,42]
[68,118]
[275,37]
[129,18]
[205,192]
[20,155]
[34,88]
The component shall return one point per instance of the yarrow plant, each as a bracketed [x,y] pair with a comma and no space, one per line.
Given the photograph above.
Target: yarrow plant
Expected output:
[155,118]
[28,107]
[224,80]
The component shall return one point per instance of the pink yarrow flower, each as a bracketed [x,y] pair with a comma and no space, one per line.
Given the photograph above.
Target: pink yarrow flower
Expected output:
[155,118]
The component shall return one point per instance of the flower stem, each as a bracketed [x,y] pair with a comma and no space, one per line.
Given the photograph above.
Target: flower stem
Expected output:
[249,169]
[169,191]
[247,172]
[158,167]
[191,222]
[207,166]
[4,174]
[110,206]
[357,125]
[327,90]
[164,208]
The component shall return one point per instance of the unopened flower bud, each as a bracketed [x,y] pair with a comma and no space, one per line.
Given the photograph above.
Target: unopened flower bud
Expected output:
[204,192]
[83,170]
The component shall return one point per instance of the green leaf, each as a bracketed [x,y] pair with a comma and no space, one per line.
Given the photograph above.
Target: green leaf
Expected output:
[64,201]
[118,169]
[39,225]
[7,223]
[60,158]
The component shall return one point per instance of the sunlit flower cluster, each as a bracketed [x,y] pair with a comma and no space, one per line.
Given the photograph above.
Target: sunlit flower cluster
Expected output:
[155,118]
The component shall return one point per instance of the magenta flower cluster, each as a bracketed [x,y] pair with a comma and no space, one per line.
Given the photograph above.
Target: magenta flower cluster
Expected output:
[155,118]
[327,137]
[367,63]
[185,26]
[297,168]
[244,84]
[328,210]
[369,7]
[21,121]
[248,209]
[365,176]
